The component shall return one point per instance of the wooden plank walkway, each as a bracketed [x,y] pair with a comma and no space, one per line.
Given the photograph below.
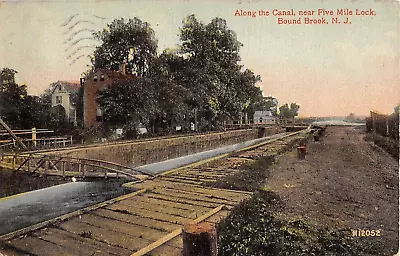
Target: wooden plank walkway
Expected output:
[146,222]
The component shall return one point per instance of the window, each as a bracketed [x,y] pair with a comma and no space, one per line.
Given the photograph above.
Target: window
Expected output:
[58,99]
[99,115]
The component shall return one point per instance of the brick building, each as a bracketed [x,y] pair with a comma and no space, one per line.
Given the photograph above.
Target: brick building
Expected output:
[96,81]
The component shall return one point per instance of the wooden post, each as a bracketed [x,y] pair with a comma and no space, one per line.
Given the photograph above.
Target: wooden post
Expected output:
[199,239]
[63,168]
[301,152]
[14,161]
[34,137]
[28,163]
[83,169]
[46,166]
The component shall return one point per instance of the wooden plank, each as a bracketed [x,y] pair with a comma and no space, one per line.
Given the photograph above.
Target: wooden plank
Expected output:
[180,180]
[105,235]
[158,183]
[208,197]
[167,209]
[191,178]
[39,247]
[173,234]
[181,200]
[164,203]
[156,244]
[81,241]
[192,196]
[71,244]
[164,251]
[203,174]
[227,195]
[137,220]
[122,227]
[148,214]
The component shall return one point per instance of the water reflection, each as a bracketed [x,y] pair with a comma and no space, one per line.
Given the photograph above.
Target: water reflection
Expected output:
[34,207]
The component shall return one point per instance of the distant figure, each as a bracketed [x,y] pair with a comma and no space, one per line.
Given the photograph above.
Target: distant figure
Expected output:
[192,126]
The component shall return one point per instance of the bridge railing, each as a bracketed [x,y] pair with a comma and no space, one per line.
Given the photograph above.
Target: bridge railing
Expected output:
[67,166]
[7,145]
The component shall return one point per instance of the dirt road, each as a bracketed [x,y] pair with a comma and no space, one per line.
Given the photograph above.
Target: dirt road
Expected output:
[344,183]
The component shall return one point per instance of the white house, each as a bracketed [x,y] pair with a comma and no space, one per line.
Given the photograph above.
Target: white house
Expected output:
[62,94]
[264,117]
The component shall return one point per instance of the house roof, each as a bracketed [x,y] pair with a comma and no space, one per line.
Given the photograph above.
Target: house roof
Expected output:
[378,112]
[70,86]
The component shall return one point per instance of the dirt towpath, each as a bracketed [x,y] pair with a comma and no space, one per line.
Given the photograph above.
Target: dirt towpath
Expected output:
[344,183]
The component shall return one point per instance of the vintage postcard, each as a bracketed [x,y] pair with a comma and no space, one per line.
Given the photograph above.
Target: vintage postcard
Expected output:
[199,127]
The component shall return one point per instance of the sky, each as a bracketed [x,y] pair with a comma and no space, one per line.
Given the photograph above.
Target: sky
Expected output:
[328,69]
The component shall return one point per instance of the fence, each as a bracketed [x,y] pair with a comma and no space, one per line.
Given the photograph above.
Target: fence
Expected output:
[34,141]
[385,125]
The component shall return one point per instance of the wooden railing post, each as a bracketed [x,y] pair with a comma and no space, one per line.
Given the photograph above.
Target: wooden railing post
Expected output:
[63,168]
[83,169]
[34,137]
[28,163]
[199,240]
[14,160]
[46,166]
[80,167]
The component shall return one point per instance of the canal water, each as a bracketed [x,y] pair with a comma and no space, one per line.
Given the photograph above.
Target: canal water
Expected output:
[26,209]
[166,165]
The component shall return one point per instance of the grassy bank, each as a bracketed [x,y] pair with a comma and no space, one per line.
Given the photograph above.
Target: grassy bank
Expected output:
[258,227]
[389,145]
[252,175]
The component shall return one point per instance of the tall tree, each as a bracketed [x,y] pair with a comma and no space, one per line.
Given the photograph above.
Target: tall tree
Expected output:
[133,41]
[12,98]
[128,103]
[289,112]
[220,87]
[267,104]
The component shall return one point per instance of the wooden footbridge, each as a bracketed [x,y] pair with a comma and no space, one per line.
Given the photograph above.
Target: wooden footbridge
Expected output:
[148,221]
[47,164]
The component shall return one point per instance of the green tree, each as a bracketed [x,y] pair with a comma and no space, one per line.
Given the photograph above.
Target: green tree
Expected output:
[33,113]
[128,103]
[133,41]
[267,104]
[17,108]
[351,117]
[396,109]
[289,112]
[219,85]
[201,81]
[12,98]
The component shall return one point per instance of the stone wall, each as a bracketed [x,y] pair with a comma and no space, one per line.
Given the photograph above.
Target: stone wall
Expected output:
[151,151]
